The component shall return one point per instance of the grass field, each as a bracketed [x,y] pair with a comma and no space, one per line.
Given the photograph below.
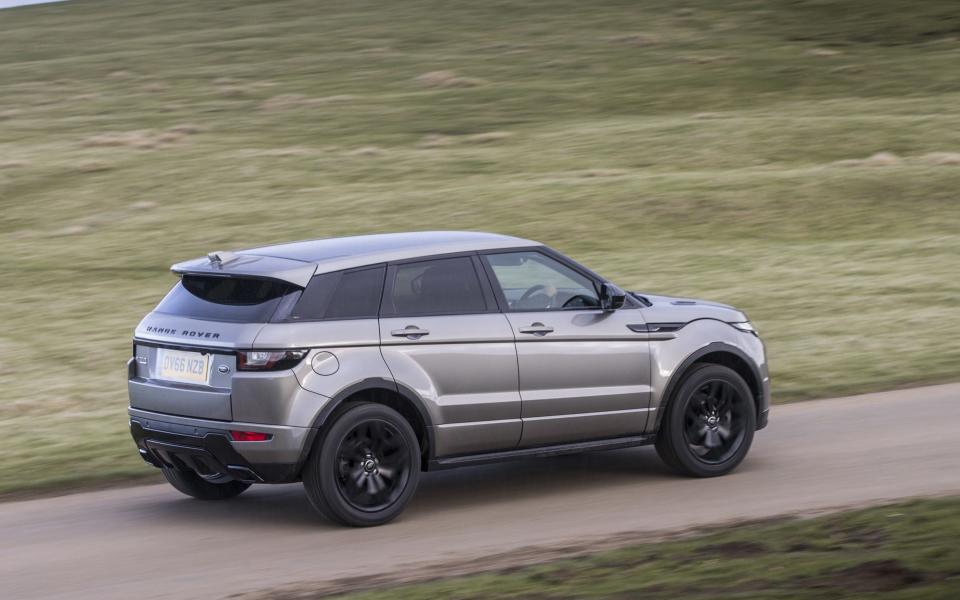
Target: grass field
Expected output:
[799,159]
[898,552]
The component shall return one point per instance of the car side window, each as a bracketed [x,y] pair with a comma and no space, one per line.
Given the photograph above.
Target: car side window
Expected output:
[341,295]
[534,281]
[357,295]
[445,286]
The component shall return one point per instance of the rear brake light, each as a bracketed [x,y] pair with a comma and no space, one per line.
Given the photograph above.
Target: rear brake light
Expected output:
[269,360]
[249,436]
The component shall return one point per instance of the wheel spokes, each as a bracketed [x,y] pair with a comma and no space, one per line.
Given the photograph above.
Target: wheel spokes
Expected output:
[372,465]
[714,422]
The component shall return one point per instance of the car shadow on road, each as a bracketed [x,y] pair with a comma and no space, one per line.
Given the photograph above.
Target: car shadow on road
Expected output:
[287,505]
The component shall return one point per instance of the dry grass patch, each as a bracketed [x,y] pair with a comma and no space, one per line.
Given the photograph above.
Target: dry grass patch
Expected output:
[141,139]
[706,59]
[278,152]
[880,159]
[639,40]
[142,205]
[291,101]
[436,140]
[942,158]
[439,140]
[488,137]
[448,79]
[823,52]
[367,151]
[92,166]
[76,229]
[187,129]
[602,173]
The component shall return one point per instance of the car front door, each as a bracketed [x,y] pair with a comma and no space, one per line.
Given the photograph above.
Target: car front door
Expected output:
[442,335]
[584,374]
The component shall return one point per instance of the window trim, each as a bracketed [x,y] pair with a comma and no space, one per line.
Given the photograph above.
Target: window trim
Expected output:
[550,253]
[488,295]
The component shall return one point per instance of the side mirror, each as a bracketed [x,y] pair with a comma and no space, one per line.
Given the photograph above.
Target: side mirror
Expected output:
[611,297]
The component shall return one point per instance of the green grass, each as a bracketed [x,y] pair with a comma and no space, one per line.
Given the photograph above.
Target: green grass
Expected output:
[687,148]
[894,552]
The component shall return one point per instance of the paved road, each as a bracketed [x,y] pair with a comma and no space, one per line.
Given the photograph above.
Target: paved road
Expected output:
[149,542]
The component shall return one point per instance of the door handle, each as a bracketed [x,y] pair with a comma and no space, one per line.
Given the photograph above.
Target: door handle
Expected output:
[537,329]
[411,332]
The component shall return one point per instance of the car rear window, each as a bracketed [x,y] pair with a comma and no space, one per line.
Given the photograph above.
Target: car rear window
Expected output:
[235,299]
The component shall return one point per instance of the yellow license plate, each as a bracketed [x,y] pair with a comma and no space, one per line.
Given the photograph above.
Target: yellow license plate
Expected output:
[184,367]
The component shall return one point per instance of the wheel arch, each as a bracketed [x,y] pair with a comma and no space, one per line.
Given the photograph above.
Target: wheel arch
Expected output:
[717,353]
[383,391]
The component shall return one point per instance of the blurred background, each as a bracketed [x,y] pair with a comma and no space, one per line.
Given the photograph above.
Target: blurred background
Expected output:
[799,159]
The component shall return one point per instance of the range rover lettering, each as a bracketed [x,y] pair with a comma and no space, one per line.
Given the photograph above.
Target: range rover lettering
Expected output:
[354,364]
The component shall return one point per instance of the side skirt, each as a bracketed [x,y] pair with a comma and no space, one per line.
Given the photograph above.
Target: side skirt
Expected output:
[540,451]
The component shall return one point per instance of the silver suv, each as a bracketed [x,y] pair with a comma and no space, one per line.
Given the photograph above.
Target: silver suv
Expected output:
[353,364]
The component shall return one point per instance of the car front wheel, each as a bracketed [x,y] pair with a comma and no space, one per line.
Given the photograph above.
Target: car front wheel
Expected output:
[709,424]
[366,467]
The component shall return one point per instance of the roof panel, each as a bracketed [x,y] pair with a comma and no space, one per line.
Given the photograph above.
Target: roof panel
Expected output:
[388,246]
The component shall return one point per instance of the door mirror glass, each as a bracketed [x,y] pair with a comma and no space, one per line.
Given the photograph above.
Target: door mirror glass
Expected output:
[611,297]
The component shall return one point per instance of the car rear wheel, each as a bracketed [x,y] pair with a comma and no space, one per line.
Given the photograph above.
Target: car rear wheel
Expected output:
[366,467]
[709,424]
[196,486]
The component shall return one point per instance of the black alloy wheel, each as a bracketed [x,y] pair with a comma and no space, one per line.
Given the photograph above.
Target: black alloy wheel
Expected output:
[714,421]
[373,465]
[364,466]
[708,423]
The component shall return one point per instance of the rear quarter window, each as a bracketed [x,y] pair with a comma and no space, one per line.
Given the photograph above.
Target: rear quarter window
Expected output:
[233,299]
[351,294]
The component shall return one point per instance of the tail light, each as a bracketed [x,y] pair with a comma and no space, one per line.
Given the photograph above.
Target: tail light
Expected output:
[269,360]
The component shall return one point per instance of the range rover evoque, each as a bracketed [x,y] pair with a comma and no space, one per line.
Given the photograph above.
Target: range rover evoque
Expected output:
[353,364]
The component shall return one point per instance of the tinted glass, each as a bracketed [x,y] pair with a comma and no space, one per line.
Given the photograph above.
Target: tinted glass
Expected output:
[357,295]
[236,299]
[341,295]
[443,286]
[534,281]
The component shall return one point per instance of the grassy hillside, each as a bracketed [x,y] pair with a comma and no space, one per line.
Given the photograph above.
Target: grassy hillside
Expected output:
[898,552]
[799,159]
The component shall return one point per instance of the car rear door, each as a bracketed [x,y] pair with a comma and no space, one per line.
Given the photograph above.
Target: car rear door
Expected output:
[442,335]
[584,374]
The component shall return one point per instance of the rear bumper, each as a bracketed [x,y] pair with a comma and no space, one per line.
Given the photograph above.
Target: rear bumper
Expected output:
[206,447]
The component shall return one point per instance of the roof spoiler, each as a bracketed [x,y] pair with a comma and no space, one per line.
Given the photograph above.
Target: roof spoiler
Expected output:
[224,263]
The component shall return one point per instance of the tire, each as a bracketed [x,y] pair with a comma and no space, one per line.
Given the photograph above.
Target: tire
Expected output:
[191,484]
[346,477]
[710,400]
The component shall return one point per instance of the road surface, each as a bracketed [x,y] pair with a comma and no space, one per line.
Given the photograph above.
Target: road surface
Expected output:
[150,542]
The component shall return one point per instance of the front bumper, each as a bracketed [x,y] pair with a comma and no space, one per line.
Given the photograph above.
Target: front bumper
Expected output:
[206,448]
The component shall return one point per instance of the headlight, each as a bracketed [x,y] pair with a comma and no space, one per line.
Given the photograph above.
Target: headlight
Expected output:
[745,326]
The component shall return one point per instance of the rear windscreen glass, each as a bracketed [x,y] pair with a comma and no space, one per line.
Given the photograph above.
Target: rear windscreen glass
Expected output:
[236,299]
